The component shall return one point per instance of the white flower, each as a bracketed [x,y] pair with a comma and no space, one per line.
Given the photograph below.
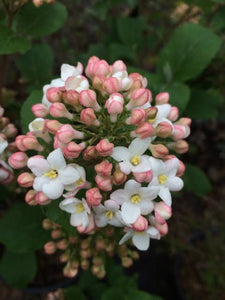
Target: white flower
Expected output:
[52,173]
[78,209]
[108,214]
[163,112]
[37,126]
[131,158]
[3,144]
[125,81]
[164,176]
[77,83]
[141,239]
[134,200]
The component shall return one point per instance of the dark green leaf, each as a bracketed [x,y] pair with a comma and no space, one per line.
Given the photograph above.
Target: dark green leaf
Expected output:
[196,181]
[120,51]
[73,293]
[113,293]
[41,21]
[36,65]
[10,42]
[26,114]
[188,52]
[18,269]
[137,295]
[21,228]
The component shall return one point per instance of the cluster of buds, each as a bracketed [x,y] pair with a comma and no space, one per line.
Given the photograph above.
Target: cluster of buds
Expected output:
[38,3]
[107,148]
[7,132]
[87,252]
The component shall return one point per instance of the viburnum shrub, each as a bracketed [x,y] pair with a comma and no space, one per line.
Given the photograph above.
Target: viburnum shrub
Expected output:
[103,148]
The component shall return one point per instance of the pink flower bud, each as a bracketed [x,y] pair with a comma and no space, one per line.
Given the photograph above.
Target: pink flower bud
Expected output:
[18,160]
[118,65]
[141,224]
[162,98]
[66,133]
[71,97]
[93,197]
[57,144]
[162,212]
[144,130]
[30,198]
[104,168]
[104,148]
[181,169]
[162,228]
[163,129]
[90,66]
[180,132]
[10,130]
[88,117]
[62,244]
[180,146]
[73,150]
[119,177]
[56,233]
[112,85]
[104,182]
[90,153]
[42,199]
[58,110]
[184,122]
[101,68]
[52,125]
[90,228]
[87,98]
[139,97]
[50,247]
[4,121]
[19,144]
[138,81]
[6,175]
[138,116]
[174,113]
[2,111]
[114,104]
[158,150]
[97,83]
[25,179]
[54,94]
[30,142]
[143,176]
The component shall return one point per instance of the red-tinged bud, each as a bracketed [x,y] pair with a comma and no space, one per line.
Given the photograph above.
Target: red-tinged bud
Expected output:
[50,247]
[88,117]
[118,66]
[181,169]
[73,150]
[52,125]
[74,264]
[84,264]
[72,240]
[90,153]
[162,212]
[180,146]
[97,260]
[69,272]
[39,110]
[2,111]
[19,144]
[180,132]
[104,148]
[139,97]
[100,68]
[143,176]
[42,199]
[58,110]
[66,133]
[47,224]
[18,160]
[158,150]
[25,179]
[114,105]
[85,244]
[119,177]
[104,168]
[87,98]
[138,116]
[93,197]
[12,147]
[104,183]
[56,233]
[162,98]
[4,121]
[71,97]
[90,228]
[174,114]
[62,244]
[90,66]
[95,270]
[138,81]
[38,3]
[30,198]
[141,224]
[30,142]
[10,130]
[112,85]
[64,257]
[85,253]
[144,130]
[151,114]
[6,175]
[127,262]
[97,83]
[162,228]
[54,94]
[163,129]
[184,121]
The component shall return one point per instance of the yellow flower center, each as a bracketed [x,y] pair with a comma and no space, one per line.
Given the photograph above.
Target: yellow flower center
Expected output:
[79,181]
[135,199]
[135,160]
[162,178]
[109,214]
[151,120]
[51,174]
[79,208]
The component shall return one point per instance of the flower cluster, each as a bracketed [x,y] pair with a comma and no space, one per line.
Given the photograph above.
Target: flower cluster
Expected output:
[106,149]
[7,132]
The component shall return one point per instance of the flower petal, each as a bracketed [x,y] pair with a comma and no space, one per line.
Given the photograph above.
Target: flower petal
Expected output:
[125,167]
[67,71]
[174,184]
[38,165]
[149,193]
[68,175]
[130,212]
[56,160]
[69,205]
[171,166]
[143,166]
[157,165]
[163,111]
[141,240]
[76,219]
[39,182]
[165,195]
[101,220]
[126,237]
[120,154]
[53,189]
[120,196]
[132,187]
[146,207]
[139,146]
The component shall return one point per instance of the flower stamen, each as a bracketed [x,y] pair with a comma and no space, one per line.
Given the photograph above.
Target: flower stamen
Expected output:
[162,179]
[109,214]
[79,181]
[135,160]
[51,174]
[135,199]
[79,208]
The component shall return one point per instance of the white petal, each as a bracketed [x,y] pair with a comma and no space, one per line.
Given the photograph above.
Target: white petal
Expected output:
[153,232]
[146,207]
[125,167]
[174,184]
[53,189]
[116,220]
[132,187]
[101,220]
[141,240]
[143,166]
[120,196]
[157,165]
[171,166]
[69,205]
[38,165]
[56,159]
[163,111]
[165,195]
[76,219]
[84,219]
[111,205]
[149,193]
[68,175]
[57,82]
[139,146]
[130,212]
[67,71]
[120,154]
[126,237]
[39,182]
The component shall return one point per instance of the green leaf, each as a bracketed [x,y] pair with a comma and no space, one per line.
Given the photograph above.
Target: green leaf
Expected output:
[124,293]
[36,65]
[21,228]
[120,51]
[196,181]
[113,293]
[18,269]
[10,42]
[130,30]
[218,21]
[203,104]
[26,114]
[41,21]
[137,295]
[73,293]
[188,52]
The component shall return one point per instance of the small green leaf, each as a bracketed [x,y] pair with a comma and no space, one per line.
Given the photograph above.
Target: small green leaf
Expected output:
[18,269]
[196,181]
[74,293]
[188,52]
[41,21]
[26,114]
[21,228]
[11,43]
[36,65]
